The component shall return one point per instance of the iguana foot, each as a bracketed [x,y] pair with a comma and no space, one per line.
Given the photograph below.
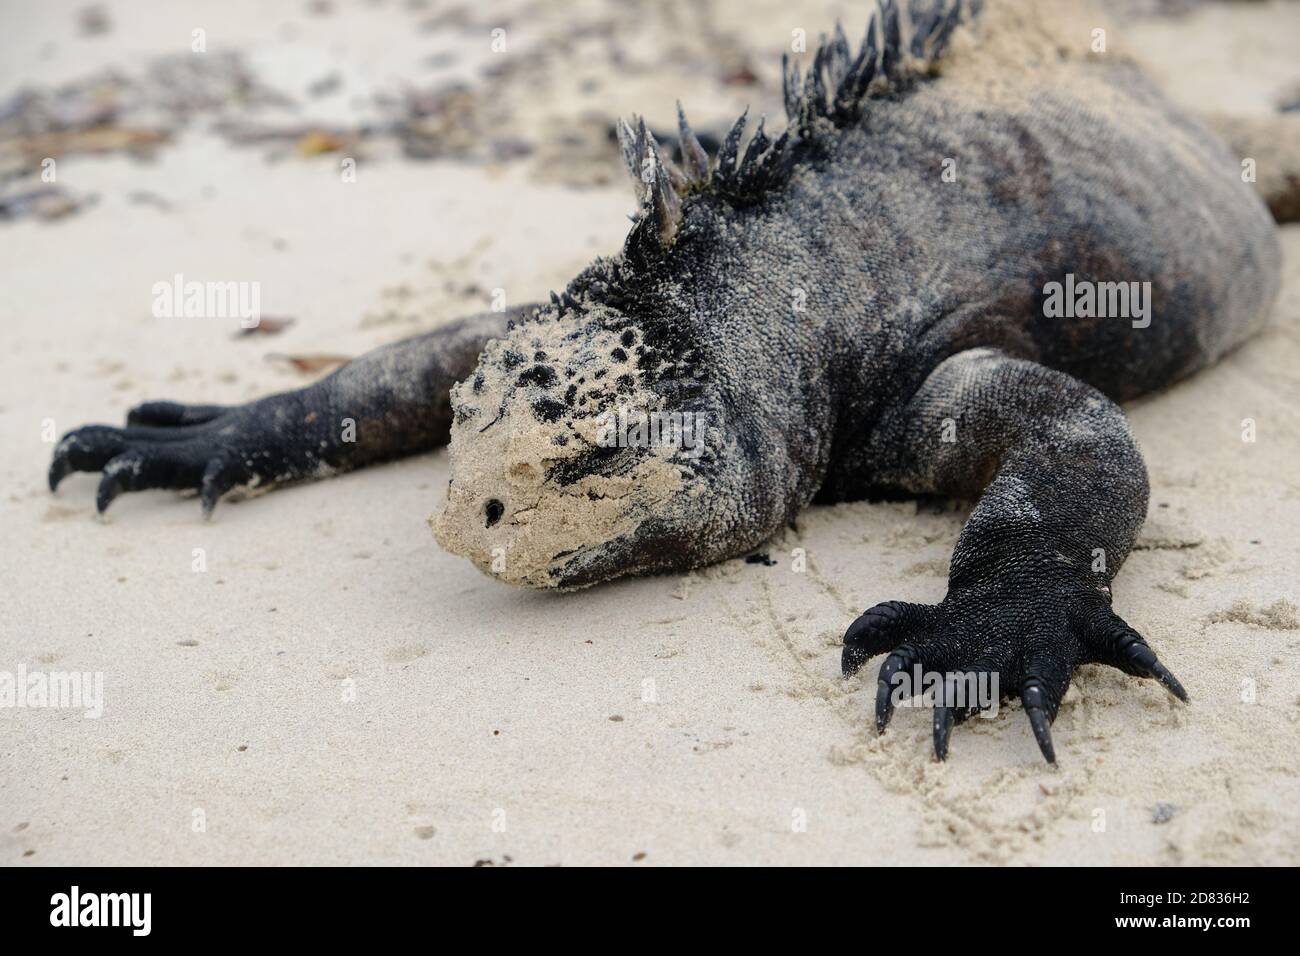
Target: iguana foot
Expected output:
[165,445]
[1024,637]
[1062,493]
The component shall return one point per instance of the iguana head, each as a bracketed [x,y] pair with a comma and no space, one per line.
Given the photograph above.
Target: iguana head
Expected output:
[576,452]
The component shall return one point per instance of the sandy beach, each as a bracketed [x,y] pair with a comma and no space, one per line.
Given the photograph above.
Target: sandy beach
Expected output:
[308,679]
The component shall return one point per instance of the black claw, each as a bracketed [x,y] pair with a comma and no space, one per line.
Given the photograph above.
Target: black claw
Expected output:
[114,480]
[852,658]
[1043,732]
[59,469]
[1038,706]
[862,637]
[86,449]
[901,659]
[943,721]
[1162,674]
[212,489]
[1144,663]
[1113,642]
[219,476]
[884,705]
[109,488]
[879,629]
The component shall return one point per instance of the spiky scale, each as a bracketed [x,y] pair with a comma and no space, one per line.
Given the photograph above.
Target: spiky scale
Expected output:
[891,40]
[938,37]
[923,20]
[758,144]
[695,160]
[665,203]
[639,144]
[838,63]
[869,61]
[816,98]
[849,91]
[775,162]
[627,142]
[726,170]
[791,87]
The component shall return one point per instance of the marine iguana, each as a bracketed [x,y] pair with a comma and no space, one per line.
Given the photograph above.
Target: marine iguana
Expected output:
[846,322]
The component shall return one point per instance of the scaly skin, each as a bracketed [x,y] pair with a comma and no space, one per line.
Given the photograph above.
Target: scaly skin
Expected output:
[848,323]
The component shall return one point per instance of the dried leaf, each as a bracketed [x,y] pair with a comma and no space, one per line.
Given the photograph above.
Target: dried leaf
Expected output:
[311,363]
[318,141]
[267,325]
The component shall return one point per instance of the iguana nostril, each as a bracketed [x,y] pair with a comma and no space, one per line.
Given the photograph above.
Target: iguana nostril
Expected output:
[494,510]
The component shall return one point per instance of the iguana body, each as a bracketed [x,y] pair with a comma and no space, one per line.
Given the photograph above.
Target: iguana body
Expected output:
[845,321]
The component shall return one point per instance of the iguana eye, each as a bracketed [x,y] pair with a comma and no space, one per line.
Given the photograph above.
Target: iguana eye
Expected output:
[494,510]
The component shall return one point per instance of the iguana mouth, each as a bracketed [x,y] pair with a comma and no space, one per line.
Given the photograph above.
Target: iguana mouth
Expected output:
[565,569]
[580,567]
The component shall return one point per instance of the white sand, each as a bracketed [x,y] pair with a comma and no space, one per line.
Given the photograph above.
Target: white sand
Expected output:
[671,720]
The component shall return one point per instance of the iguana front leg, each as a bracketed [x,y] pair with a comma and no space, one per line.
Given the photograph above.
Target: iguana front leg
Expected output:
[1064,494]
[390,402]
